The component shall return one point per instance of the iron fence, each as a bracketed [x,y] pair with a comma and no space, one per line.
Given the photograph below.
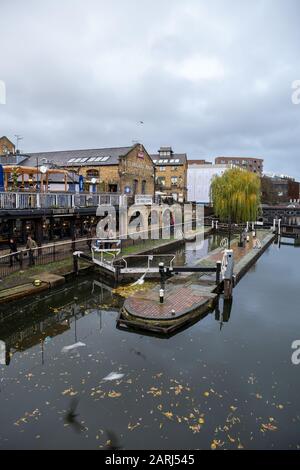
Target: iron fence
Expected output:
[24,259]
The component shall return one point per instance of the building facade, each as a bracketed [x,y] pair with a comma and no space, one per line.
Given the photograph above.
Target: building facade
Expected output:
[93,177]
[283,188]
[125,170]
[170,174]
[6,146]
[255,165]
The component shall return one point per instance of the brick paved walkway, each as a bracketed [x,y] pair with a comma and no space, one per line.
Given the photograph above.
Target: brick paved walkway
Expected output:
[187,294]
[178,302]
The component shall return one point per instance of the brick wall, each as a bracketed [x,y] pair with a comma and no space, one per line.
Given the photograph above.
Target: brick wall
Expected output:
[131,172]
[6,145]
[167,173]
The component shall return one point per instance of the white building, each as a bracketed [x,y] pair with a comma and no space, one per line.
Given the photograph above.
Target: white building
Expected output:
[199,180]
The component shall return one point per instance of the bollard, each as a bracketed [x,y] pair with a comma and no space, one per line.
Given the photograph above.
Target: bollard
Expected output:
[75,265]
[228,265]
[162,275]
[161,296]
[162,282]
[279,227]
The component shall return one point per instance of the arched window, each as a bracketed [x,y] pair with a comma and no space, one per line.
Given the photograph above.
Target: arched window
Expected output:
[144,183]
[135,186]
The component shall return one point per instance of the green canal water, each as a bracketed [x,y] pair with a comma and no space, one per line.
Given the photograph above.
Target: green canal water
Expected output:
[219,384]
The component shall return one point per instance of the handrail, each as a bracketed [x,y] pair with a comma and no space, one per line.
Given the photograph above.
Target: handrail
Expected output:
[48,200]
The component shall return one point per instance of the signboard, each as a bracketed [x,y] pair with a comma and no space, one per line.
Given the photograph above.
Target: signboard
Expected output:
[1,178]
[142,200]
[81,183]
[127,190]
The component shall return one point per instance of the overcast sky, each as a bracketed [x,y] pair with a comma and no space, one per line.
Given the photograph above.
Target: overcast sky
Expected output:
[207,77]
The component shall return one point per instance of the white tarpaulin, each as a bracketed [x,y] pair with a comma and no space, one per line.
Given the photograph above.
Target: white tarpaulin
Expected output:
[199,181]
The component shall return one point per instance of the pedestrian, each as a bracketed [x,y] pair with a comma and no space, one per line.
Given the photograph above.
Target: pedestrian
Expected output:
[13,250]
[31,245]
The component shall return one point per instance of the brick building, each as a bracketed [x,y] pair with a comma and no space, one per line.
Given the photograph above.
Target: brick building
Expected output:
[6,146]
[282,189]
[255,165]
[126,170]
[170,174]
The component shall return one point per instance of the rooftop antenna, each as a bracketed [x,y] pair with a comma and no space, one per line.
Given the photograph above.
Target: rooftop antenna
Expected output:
[18,137]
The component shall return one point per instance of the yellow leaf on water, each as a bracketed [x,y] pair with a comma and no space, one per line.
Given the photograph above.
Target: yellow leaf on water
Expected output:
[114,394]
[168,414]
[195,428]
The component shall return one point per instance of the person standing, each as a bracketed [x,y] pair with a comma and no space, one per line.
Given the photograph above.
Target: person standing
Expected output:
[13,250]
[31,245]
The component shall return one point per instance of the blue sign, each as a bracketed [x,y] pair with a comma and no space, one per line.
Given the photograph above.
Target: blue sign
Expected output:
[1,178]
[127,190]
[81,183]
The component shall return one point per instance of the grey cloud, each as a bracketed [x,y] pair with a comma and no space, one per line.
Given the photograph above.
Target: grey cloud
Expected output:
[210,78]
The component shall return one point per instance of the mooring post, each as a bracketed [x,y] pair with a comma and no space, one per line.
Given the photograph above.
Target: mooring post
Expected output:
[162,282]
[75,264]
[228,274]
[218,272]
[117,275]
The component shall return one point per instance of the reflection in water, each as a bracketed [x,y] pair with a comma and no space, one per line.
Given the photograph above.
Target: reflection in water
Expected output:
[226,382]
[71,418]
[39,321]
[224,315]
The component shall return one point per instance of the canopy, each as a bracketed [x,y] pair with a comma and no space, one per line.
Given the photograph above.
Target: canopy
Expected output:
[31,170]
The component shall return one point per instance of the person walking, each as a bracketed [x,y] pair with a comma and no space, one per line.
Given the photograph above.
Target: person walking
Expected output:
[31,245]
[13,250]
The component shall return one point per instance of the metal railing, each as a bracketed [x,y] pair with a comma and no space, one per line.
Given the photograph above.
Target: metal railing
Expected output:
[19,200]
[24,259]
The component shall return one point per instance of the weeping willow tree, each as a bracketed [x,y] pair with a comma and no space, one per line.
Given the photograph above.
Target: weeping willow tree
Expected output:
[236,196]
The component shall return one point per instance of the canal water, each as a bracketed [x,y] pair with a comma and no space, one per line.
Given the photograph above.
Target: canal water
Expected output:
[227,382]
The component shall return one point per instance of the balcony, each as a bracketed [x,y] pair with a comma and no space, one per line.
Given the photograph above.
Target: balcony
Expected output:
[29,201]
